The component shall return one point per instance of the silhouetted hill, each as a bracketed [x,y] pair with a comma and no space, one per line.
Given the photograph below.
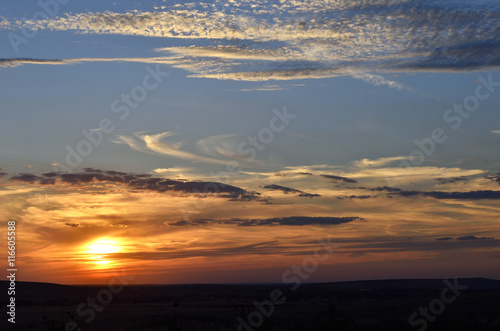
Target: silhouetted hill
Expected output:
[356,305]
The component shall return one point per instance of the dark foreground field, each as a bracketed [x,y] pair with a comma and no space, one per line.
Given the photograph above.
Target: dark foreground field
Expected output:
[366,305]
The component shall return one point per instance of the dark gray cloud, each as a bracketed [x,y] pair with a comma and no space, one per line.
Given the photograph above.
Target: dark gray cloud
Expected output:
[28,178]
[474,238]
[495,178]
[291,221]
[385,188]
[465,238]
[92,170]
[362,197]
[472,195]
[452,180]
[141,182]
[339,179]
[467,195]
[309,195]
[286,190]
[283,174]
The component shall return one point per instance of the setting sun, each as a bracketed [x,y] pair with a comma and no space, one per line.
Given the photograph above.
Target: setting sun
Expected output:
[250,165]
[98,250]
[103,246]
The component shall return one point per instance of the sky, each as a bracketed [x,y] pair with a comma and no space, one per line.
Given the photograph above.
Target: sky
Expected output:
[222,142]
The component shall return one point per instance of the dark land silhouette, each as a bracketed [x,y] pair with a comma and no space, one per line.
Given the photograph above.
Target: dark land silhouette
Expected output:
[360,305]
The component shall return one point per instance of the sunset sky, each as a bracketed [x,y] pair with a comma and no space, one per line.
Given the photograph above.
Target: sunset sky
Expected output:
[214,142]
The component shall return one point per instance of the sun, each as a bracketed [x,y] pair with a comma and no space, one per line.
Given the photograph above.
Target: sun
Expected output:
[98,250]
[103,246]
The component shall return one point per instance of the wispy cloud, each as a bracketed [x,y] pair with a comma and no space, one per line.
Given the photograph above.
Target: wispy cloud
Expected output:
[378,162]
[156,143]
[286,190]
[378,80]
[137,182]
[369,223]
[472,195]
[7,63]
[302,39]
[175,172]
[265,88]
[290,221]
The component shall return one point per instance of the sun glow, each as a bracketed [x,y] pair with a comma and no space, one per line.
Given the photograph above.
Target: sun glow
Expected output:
[98,250]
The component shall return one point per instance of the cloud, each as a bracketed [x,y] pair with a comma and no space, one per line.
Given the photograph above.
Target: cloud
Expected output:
[495,178]
[6,63]
[286,190]
[386,188]
[472,195]
[309,195]
[378,80]
[261,248]
[141,182]
[218,149]
[265,88]
[173,171]
[221,145]
[339,179]
[496,131]
[361,197]
[290,221]
[438,245]
[283,174]
[30,178]
[465,238]
[258,248]
[474,238]
[156,143]
[233,52]
[15,62]
[452,180]
[401,174]
[364,163]
[302,39]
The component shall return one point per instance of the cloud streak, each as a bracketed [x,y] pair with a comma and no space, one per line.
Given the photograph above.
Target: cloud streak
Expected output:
[156,143]
[472,195]
[302,39]
[286,190]
[140,182]
[290,221]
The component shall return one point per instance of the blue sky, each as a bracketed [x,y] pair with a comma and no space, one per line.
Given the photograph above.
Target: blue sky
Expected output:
[365,84]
